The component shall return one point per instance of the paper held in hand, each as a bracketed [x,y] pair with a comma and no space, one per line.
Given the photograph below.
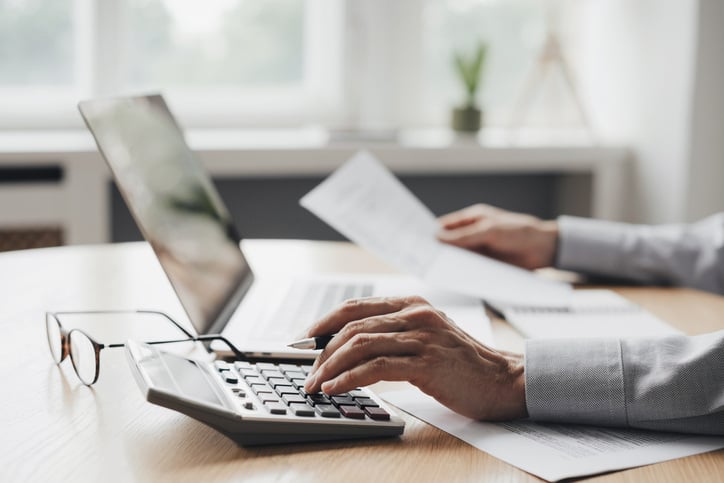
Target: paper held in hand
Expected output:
[366,203]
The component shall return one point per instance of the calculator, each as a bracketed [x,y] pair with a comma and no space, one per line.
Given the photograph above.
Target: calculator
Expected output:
[257,403]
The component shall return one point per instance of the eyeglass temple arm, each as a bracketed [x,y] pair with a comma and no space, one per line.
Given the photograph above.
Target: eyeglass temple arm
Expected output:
[140,311]
[210,337]
[200,338]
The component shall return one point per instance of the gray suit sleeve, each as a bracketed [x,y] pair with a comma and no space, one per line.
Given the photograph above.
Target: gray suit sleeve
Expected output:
[669,384]
[685,255]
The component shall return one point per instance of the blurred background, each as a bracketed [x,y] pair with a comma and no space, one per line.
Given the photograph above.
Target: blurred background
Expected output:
[607,108]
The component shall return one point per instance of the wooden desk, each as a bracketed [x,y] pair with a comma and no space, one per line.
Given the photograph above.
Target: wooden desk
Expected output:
[55,429]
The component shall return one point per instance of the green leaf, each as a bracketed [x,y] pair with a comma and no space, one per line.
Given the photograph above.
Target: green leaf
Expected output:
[470,70]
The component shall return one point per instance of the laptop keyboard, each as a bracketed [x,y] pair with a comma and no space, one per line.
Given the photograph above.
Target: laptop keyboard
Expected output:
[278,389]
[306,302]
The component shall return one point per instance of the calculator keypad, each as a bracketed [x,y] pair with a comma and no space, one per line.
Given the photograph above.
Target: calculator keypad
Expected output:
[280,389]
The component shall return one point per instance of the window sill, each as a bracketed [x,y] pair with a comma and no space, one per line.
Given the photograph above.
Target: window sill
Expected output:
[79,201]
[73,141]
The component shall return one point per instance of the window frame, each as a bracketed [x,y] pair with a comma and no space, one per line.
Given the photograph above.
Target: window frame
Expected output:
[100,27]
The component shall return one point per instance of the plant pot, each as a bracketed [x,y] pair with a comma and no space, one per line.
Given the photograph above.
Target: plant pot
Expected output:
[467,119]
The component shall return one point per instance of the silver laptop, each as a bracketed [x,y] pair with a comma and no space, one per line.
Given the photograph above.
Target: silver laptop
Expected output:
[180,213]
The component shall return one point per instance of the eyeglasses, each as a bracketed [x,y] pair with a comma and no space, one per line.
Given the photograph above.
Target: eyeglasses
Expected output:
[85,352]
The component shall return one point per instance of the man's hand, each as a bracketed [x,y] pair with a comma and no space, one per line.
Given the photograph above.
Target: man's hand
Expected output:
[515,238]
[406,339]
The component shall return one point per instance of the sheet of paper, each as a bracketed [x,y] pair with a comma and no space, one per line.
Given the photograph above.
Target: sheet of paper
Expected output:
[592,313]
[554,451]
[370,206]
[367,204]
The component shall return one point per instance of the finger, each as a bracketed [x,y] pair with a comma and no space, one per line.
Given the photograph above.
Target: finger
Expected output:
[476,236]
[370,325]
[356,309]
[467,215]
[414,317]
[384,368]
[459,218]
[361,348]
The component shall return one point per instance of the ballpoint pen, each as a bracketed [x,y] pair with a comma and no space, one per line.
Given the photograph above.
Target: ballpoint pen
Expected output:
[319,342]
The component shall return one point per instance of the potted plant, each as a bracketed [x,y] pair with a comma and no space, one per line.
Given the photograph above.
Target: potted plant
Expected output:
[468,117]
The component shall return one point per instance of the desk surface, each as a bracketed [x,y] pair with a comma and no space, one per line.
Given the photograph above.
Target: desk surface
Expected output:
[55,429]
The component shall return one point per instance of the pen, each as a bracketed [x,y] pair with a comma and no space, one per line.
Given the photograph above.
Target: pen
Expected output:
[319,342]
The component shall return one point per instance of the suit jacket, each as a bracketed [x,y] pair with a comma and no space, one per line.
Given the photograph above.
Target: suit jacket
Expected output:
[671,384]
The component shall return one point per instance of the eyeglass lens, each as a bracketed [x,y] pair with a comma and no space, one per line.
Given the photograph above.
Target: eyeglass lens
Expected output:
[55,338]
[83,355]
[84,352]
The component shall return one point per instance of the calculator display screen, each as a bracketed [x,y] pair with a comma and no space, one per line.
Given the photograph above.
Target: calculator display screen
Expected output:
[181,376]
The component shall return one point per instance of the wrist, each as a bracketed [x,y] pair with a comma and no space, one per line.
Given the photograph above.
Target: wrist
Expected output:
[516,369]
[549,231]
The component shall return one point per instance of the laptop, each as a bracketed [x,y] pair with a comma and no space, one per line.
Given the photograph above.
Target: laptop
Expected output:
[177,208]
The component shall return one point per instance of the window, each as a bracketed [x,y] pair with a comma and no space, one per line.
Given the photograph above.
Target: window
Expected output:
[222,63]
[232,43]
[37,59]
[265,63]
[36,43]
[513,31]
[232,62]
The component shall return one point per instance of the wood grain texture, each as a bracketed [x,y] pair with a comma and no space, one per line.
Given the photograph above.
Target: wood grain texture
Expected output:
[55,429]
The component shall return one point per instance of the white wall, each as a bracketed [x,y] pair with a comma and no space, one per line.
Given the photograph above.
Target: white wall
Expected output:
[705,187]
[637,79]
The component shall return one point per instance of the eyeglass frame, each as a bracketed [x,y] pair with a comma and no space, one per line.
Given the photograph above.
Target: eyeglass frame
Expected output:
[65,336]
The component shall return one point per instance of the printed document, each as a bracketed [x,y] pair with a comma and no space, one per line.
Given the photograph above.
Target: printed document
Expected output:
[556,451]
[370,206]
[591,313]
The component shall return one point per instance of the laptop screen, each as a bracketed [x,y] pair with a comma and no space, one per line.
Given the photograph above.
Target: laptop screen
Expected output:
[174,203]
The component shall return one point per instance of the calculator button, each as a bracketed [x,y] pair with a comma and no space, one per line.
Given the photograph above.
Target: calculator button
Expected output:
[359,393]
[295,375]
[294,398]
[378,414]
[268,373]
[266,365]
[366,402]
[277,381]
[268,398]
[318,398]
[352,412]
[222,365]
[238,391]
[343,400]
[282,390]
[248,405]
[327,411]
[288,367]
[276,408]
[242,365]
[230,377]
[298,382]
[301,409]
[257,388]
